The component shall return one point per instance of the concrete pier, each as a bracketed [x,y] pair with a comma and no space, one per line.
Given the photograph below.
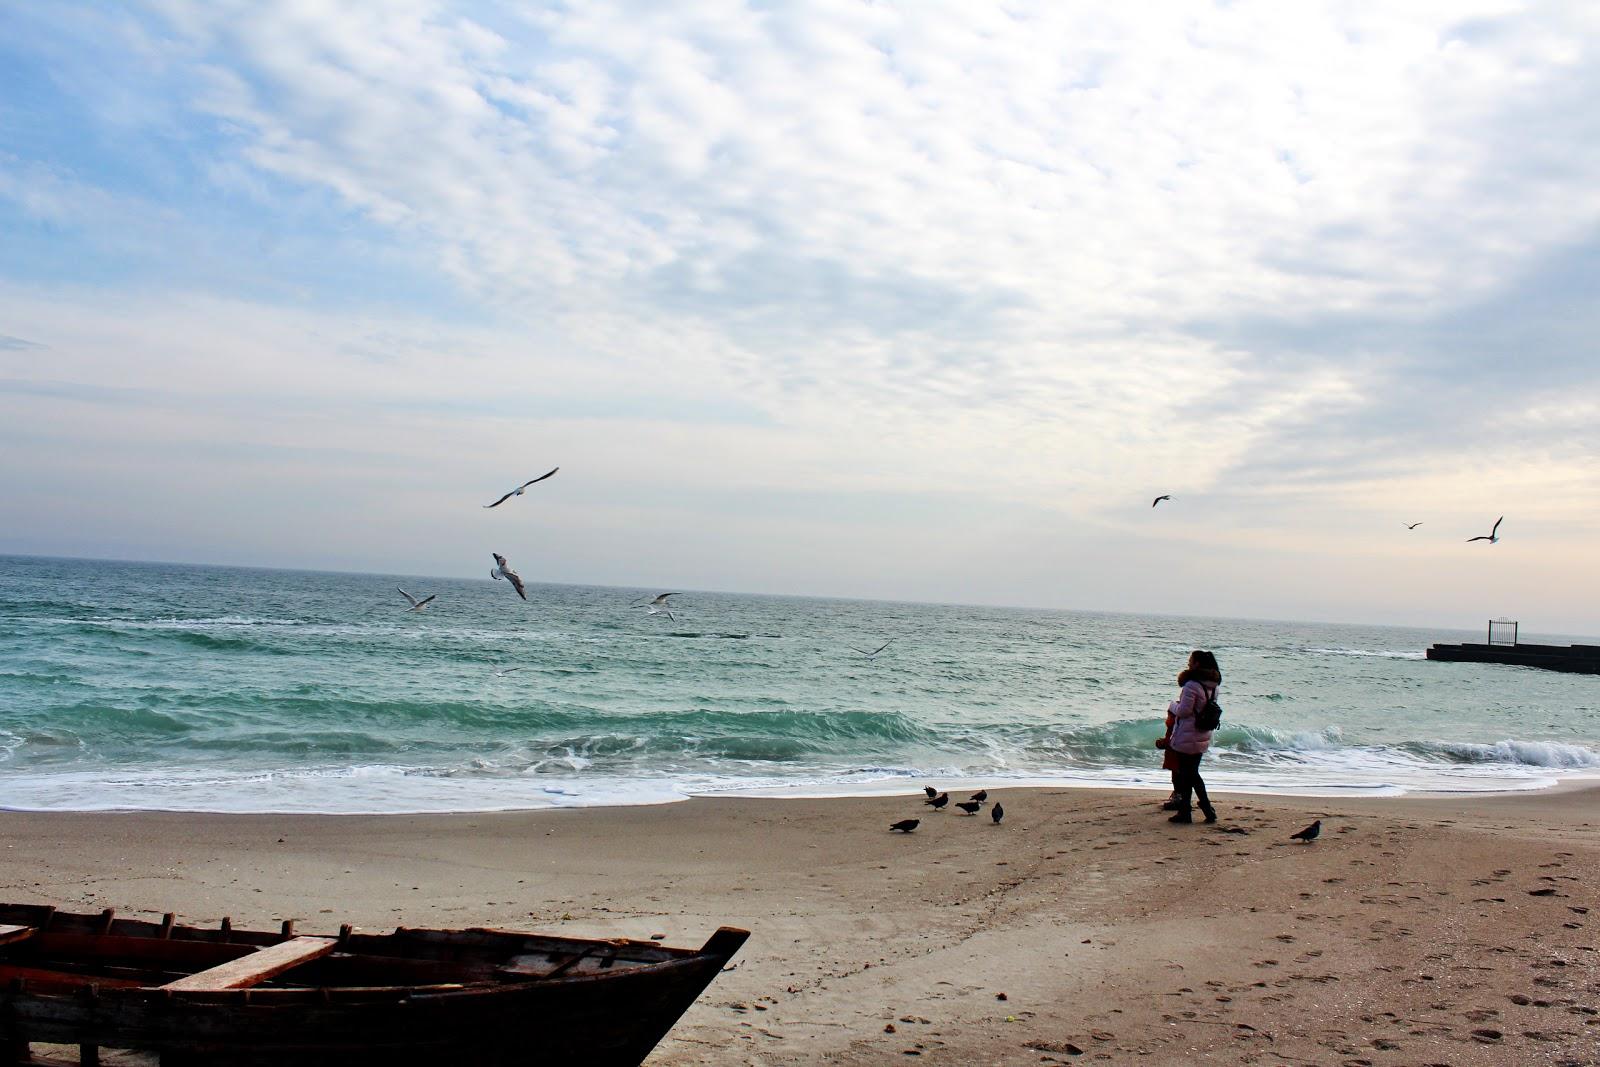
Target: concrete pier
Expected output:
[1574,659]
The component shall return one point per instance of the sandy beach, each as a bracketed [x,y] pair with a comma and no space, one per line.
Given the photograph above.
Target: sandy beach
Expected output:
[1449,930]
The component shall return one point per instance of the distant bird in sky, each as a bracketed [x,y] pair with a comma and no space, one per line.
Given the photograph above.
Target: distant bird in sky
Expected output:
[417,605]
[875,651]
[938,802]
[658,606]
[980,796]
[502,570]
[1493,536]
[1309,834]
[519,490]
[931,791]
[1159,499]
[997,812]
[969,806]
[1411,525]
[905,826]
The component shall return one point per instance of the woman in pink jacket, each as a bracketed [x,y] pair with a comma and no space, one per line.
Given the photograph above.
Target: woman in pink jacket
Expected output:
[1188,743]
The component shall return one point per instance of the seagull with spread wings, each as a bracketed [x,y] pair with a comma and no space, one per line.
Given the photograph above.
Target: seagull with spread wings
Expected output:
[417,605]
[503,570]
[1493,536]
[875,651]
[1411,525]
[519,490]
[1159,499]
[658,606]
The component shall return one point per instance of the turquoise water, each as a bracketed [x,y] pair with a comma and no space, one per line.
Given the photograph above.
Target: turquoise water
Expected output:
[175,687]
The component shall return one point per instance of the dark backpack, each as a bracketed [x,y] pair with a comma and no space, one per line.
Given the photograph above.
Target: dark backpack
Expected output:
[1209,717]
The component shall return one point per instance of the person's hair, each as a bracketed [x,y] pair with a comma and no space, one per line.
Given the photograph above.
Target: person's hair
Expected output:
[1200,660]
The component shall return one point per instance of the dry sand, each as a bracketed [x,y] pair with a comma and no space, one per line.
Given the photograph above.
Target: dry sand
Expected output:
[1084,929]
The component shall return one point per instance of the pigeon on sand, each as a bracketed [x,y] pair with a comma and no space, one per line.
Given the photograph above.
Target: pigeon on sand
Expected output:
[905,826]
[938,802]
[997,812]
[969,806]
[1309,834]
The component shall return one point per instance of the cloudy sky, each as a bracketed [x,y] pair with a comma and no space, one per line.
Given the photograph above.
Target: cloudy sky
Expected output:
[913,300]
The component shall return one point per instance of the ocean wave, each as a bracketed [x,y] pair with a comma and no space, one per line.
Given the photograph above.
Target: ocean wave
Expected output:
[1552,754]
[1370,653]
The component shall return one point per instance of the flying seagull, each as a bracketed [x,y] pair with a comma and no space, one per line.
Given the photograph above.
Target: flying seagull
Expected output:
[417,605]
[1159,499]
[997,812]
[508,670]
[905,826]
[1309,834]
[501,570]
[875,651]
[1493,536]
[658,606]
[1411,525]
[519,490]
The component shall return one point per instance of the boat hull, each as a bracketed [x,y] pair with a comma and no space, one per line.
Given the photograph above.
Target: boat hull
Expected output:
[551,1000]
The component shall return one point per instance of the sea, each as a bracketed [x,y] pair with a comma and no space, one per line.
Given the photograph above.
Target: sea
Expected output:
[176,687]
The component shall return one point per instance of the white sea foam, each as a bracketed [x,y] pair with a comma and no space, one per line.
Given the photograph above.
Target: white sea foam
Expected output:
[1529,753]
[395,789]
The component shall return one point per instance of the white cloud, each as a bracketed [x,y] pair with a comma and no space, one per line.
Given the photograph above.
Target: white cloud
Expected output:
[908,246]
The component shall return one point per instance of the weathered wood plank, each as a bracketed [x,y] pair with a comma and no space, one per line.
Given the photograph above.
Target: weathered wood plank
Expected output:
[151,951]
[44,979]
[8,934]
[257,967]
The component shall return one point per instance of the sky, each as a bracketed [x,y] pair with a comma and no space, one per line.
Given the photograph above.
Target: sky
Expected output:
[910,300]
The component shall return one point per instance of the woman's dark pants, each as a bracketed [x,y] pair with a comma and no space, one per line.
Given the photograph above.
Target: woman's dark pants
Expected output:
[1186,779]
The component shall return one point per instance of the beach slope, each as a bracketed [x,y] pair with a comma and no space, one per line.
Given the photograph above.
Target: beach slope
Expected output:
[1453,930]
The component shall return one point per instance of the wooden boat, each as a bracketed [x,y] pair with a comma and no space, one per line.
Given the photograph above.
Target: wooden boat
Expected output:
[217,995]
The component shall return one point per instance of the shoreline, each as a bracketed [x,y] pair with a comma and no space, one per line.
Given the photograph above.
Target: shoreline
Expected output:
[904,786]
[1414,927]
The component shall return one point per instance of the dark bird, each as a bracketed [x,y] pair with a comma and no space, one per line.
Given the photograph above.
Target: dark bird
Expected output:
[931,791]
[1411,525]
[1493,536]
[997,812]
[905,826]
[501,570]
[969,806]
[1309,833]
[980,796]
[938,802]
[519,490]
[875,651]
[417,605]
[1159,499]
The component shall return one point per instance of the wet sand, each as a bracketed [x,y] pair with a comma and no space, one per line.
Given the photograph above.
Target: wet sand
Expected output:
[1085,928]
